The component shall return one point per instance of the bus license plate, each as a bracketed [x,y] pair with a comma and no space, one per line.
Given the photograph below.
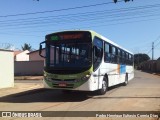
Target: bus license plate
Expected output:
[62,84]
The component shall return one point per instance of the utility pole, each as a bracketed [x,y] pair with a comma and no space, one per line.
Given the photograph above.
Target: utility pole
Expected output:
[138,58]
[152,50]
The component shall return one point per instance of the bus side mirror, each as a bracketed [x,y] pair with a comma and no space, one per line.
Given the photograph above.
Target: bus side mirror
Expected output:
[40,49]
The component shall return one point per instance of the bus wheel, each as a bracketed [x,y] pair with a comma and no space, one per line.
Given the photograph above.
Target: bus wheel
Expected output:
[104,88]
[126,80]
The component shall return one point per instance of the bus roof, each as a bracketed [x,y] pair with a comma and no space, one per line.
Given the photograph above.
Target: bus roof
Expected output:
[109,41]
[98,35]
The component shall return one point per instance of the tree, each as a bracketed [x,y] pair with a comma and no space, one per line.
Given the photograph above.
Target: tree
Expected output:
[6,46]
[158,58]
[27,47]
[115,1]
[139,58]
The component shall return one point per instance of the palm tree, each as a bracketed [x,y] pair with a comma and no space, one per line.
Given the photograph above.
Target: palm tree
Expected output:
[27,47]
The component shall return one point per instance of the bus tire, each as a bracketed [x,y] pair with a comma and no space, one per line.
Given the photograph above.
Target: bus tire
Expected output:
[104,88]
[126,80]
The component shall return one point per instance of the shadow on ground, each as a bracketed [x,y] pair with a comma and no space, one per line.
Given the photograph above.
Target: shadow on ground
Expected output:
[46,95]
[49,95]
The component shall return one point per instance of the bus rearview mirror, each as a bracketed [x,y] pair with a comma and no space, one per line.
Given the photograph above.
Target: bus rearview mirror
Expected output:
[40,49]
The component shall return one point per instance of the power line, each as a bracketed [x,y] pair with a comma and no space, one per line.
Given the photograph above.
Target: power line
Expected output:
[152,50]
[157,44]
[90,18]
[58,10]
[19,34]
[154,46]
[82,18]
[158,38]
[83,27]
[99,16]
[102,25]
[93,17]
[93,13]
[37,25]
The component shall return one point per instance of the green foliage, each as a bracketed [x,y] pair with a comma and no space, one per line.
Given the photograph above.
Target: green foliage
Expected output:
[115,1]
[27,47]
[139,58]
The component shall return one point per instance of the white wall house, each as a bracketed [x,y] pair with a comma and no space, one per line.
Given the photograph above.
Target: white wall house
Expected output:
[6,69]
[21,55]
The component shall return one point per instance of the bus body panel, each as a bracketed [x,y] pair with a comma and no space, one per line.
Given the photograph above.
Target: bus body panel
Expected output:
[89,85]
[115,73]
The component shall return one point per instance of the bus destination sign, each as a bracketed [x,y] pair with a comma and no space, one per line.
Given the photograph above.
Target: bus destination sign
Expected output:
[66,36]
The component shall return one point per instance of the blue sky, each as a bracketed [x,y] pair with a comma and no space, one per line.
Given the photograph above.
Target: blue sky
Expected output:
[133,25]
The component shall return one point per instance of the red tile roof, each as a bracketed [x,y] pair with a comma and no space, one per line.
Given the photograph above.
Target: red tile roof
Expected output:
[17,52]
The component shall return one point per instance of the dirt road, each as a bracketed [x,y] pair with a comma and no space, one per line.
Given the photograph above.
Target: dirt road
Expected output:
[141,94]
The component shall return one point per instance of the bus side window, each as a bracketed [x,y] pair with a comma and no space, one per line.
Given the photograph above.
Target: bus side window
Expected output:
[114,57]
[98,52]
[119,56]
[123,57]
[107,55]
[130,59]
[110,53]
[127,58]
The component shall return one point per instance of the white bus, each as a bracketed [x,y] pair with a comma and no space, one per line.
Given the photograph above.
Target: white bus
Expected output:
[84,61]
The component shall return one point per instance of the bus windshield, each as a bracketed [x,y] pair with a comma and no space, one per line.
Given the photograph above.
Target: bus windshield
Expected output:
[70,55]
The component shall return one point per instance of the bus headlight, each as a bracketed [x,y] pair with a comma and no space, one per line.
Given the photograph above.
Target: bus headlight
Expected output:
[86,77]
